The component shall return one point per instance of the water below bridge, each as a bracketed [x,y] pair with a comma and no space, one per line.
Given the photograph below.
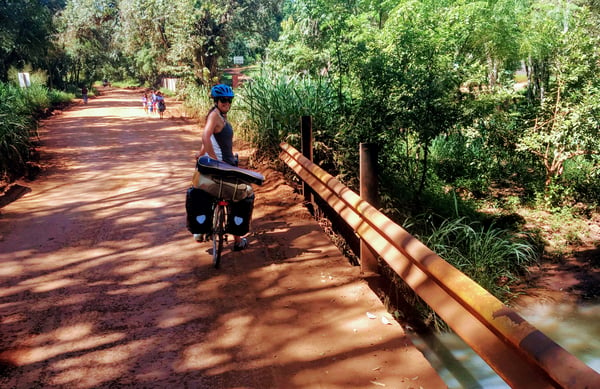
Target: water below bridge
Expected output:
[574,327]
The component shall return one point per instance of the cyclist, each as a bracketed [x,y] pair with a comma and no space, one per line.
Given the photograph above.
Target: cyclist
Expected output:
[217,139]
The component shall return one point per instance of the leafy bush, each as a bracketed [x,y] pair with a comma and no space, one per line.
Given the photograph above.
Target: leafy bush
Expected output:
[59,97]
[196,100]
[583,175]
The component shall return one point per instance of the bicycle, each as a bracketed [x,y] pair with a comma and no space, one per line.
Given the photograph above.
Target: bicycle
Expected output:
[218,230]
[226,183]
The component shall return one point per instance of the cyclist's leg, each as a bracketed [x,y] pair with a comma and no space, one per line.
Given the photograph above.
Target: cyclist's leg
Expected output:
[239,243]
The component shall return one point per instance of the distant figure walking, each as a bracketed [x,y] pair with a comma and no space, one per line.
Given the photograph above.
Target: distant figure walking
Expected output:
[84,94]
[145,102]
[150,102]
[160,104]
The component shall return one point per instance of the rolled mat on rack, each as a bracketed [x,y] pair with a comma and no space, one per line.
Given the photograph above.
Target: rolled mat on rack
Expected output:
[231,189]
[213,167]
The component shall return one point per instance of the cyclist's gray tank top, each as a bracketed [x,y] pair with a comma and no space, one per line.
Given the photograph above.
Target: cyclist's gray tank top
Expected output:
[224,139]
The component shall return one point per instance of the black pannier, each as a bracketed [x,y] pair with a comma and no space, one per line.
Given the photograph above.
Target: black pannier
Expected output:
[239,216]
[199,209]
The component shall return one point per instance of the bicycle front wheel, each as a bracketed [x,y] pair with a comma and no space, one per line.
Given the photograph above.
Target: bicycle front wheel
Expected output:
[218,234]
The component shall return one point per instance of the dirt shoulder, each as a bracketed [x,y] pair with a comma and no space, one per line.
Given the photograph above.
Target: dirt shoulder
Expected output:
[569,271]
[103,286]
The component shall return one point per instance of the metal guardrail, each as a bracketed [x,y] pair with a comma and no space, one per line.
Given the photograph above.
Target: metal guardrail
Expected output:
[519,353]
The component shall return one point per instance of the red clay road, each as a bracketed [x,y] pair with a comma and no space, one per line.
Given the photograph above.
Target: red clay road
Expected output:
[102,285]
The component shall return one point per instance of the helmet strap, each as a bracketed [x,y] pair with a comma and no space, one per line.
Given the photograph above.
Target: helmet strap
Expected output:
[223,114]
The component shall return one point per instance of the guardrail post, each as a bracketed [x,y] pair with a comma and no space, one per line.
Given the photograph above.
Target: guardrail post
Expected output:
[307,151]
[369,192]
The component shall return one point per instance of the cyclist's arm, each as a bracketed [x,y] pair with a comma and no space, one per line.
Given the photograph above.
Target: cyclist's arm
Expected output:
[201,152]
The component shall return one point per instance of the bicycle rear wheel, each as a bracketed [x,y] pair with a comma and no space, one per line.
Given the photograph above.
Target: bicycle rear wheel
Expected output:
[218,234]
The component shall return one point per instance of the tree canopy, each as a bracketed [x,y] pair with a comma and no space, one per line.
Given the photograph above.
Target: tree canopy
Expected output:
[401,73]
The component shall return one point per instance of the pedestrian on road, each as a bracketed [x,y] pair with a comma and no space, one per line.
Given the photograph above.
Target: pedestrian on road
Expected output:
[160,104]
[217,137]
[150,102]
[84,94]
[153,101]
[145,102]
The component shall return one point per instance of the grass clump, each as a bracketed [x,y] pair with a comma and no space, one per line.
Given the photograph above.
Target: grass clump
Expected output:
[20,111]
[493,257]
[274,104]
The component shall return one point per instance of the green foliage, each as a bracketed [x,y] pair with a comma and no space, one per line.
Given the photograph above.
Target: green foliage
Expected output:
[567,122]
[492,257]
[196,99]
[85,30]
[17,126]
[19,111]
[275,103]
[456,157]
[193,39]
[58,98]
[25,26]
[582,174]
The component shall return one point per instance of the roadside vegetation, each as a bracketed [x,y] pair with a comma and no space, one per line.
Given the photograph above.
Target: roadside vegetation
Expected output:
[20,112]
[467,156]
[486,114]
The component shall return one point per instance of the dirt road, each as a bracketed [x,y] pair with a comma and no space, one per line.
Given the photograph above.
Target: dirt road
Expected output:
[102,285]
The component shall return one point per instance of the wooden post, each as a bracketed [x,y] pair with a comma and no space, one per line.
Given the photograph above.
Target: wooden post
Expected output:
[307,151]
[369,192]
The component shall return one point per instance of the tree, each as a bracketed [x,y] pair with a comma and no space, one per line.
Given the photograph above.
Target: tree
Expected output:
[85,32]
[145,32]
[409,69]
[567,122]
[25,31]
[202,32]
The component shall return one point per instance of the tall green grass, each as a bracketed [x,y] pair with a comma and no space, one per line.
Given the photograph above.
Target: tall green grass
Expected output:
[16,128]
[492,257]
[19,113]
[275,103]
[196,100]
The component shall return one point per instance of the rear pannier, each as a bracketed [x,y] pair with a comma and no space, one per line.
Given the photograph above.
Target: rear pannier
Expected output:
[199,209]
[240,215]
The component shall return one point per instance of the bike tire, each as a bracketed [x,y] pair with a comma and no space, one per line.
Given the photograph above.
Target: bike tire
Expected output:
[218,234]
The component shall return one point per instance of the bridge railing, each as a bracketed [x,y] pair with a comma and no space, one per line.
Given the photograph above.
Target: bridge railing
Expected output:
[519,353]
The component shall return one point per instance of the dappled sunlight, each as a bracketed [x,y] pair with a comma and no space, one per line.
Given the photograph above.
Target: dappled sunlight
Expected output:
[96,367]
[36,353]
[181,314]
[232,329]
[132,267]
[151,276]
[10,268]
[196,357]
[53,285]
[73,332]
[149,288]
